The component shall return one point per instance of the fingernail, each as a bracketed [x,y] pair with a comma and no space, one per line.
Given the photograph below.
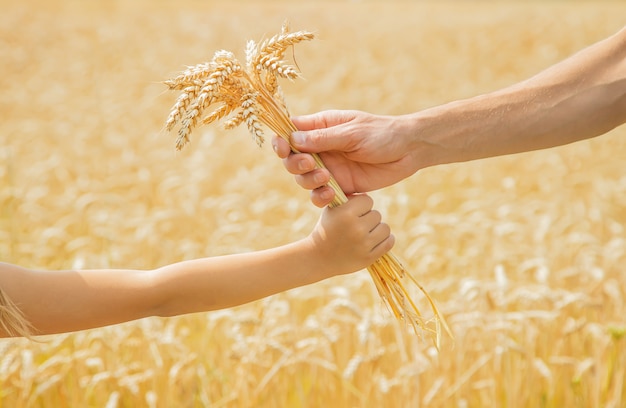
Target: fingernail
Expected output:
[275,147]
[297,138]
[318,178]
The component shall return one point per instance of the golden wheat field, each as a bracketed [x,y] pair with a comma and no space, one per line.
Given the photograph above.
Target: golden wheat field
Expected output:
[525,255]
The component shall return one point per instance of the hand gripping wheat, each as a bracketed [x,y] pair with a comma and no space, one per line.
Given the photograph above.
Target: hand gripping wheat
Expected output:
[252,95]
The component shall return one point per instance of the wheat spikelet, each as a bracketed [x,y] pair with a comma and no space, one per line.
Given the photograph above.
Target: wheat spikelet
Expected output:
[276,66]
[218,114]
[279,43]
[250,116]
[234,121]
[191,75]
[182,103]
[224,65]
[252,51]
[253,96]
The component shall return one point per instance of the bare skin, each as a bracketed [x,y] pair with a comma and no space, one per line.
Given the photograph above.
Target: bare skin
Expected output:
[346,239]
[581,97]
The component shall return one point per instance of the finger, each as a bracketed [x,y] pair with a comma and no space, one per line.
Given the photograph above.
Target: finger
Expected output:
[320,140]
[362,203]
[313,179]
[380,233]
[372,219]
[281,147]
[324,119]
[318,132]
[384,246]
[299,163]
[321,197]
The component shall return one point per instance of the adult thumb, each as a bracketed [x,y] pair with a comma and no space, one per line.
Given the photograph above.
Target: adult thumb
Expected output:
[317,134]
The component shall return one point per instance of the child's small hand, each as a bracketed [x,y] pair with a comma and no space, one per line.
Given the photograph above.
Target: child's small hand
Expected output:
[351,237]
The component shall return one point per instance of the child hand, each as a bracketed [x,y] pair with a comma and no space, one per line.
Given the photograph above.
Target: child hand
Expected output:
[351,237]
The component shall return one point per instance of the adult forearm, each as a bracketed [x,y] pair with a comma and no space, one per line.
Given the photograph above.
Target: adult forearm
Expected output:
[579,98]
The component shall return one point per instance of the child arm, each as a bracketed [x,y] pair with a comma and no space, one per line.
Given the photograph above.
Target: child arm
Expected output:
[345,239]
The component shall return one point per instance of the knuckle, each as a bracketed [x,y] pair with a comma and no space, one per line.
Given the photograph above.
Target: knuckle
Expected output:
[315,199]
[369,200]
[318,135]
[386,229]
[301,181]
[376,215]
[290,164]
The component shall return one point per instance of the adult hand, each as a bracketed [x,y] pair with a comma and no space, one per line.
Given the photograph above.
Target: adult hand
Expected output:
[364,152]
[578,98]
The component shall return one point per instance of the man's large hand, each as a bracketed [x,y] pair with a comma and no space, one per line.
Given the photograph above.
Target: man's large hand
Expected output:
[364,152]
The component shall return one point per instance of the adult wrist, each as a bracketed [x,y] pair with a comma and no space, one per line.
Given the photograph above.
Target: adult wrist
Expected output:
[427,137]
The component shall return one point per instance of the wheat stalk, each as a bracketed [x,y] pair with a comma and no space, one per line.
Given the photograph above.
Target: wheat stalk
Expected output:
[253,96]
[12,320]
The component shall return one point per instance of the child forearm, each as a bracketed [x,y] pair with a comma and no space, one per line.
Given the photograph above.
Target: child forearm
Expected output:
[64,301]
[346,239]
[231,280]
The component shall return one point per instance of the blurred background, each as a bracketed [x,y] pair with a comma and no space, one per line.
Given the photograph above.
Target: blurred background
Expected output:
[523,254]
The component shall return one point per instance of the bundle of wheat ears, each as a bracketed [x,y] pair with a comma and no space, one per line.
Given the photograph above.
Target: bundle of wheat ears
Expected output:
[252,95]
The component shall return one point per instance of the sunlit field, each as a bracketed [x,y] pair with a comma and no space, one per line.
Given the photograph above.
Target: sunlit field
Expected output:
[525,255]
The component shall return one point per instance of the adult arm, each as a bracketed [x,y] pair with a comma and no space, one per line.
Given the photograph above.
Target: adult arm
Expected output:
[578,98]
